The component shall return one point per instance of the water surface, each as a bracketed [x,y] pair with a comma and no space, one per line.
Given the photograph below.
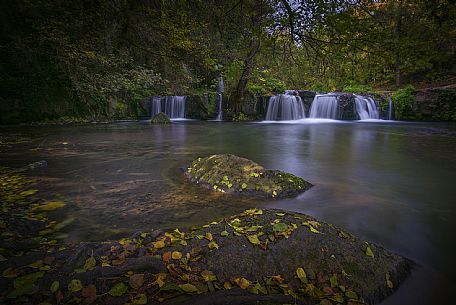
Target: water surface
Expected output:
[389,183]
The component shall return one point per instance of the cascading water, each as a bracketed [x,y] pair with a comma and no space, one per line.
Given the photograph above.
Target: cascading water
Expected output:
[324,106]
[285,107]
[390,108]
[220,90]
[175,107]
[366,107]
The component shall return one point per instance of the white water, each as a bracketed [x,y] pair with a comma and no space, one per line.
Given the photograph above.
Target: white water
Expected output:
[390,109]
[366,107]
[285,107]
[220,90]
[175,106]
[324,106]
[155,105]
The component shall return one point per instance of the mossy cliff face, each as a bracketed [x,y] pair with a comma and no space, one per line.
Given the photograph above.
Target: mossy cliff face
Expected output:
[232,174]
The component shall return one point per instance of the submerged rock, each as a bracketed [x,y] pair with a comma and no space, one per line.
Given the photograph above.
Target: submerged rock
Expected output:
[232,174]
[258,255]
[160,118]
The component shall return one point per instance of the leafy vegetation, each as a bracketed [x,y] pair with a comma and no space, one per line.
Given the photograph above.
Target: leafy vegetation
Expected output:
[403,102]
[100,59]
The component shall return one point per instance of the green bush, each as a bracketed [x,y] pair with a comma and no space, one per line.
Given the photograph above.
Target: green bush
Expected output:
[403,102]
[240,117]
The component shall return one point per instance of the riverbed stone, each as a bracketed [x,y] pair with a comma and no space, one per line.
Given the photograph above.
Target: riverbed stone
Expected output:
[160,118]
[228,173]
[259,255]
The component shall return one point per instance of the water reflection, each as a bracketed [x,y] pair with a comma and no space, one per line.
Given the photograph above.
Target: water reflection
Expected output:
[389,183]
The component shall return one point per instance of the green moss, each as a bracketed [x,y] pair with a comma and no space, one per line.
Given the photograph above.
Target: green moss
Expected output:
[233,174]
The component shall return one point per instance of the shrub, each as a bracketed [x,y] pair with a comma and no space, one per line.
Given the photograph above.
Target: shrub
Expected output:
[403,102]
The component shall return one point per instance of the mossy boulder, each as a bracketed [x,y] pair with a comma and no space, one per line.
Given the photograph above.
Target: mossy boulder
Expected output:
[232,174]
[160,118]
[255,256]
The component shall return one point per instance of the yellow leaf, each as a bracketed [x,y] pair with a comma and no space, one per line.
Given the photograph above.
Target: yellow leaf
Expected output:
[213,245]
[209,236]
[242,282]
[90,263]
[369,252]
[176,255]
[253,239]
[159,244]
[160,280]
[301,275]
[189,288]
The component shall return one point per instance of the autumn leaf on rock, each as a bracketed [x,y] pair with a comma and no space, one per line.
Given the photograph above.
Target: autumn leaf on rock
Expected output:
[159,244]
[243,283]
[253,239]
[176,255]
[369,252]
[118,290]
[188,288]
[90,263]
[301,275]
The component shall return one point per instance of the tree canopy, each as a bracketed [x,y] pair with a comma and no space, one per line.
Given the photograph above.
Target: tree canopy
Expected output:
[101,58]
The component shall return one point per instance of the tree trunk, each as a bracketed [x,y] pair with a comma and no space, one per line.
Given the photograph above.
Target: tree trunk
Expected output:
[398,46]
[243,80]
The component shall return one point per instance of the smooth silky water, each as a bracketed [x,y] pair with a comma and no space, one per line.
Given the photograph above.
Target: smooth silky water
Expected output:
[390,183]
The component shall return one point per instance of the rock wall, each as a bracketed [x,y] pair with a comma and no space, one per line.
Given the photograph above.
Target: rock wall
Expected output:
[434,104]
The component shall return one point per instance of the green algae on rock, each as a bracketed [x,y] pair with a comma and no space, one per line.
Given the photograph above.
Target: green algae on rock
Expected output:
[160,118]
[228,173]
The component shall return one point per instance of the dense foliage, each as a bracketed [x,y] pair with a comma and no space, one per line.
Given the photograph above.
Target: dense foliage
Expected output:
[97,59]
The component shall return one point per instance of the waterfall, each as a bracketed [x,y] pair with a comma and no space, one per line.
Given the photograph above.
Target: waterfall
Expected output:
[366,107]
[220,90]
[390,109]
[324,106]
[285,107]
[155,105]
[175,106]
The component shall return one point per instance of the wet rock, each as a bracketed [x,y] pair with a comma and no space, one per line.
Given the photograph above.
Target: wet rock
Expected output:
[232,174]
[258,255]
[160,118]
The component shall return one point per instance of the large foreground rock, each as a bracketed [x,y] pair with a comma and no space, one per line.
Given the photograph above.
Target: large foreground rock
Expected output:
[257,256]
[232,174]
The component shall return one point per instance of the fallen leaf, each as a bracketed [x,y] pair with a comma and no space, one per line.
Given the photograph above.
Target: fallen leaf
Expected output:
[136,281]
[227,285]
[243,185]
[213,245]
[369,252]
[278,278]
[243,283]
[253,239]
[28,279]
[167,256]
[75,285]
[90,263]
[279,227]
[160,279]
[224,233]
[301,275]
[176,255]
[118,290]
[333,281]
[188,288]
[140,299]
[54,286]
[159,244]
[208,276]
[209,236]
[389,283]
[89,291]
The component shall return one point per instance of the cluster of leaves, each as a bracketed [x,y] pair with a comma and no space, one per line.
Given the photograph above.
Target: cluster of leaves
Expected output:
[241,117]
[403,102]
